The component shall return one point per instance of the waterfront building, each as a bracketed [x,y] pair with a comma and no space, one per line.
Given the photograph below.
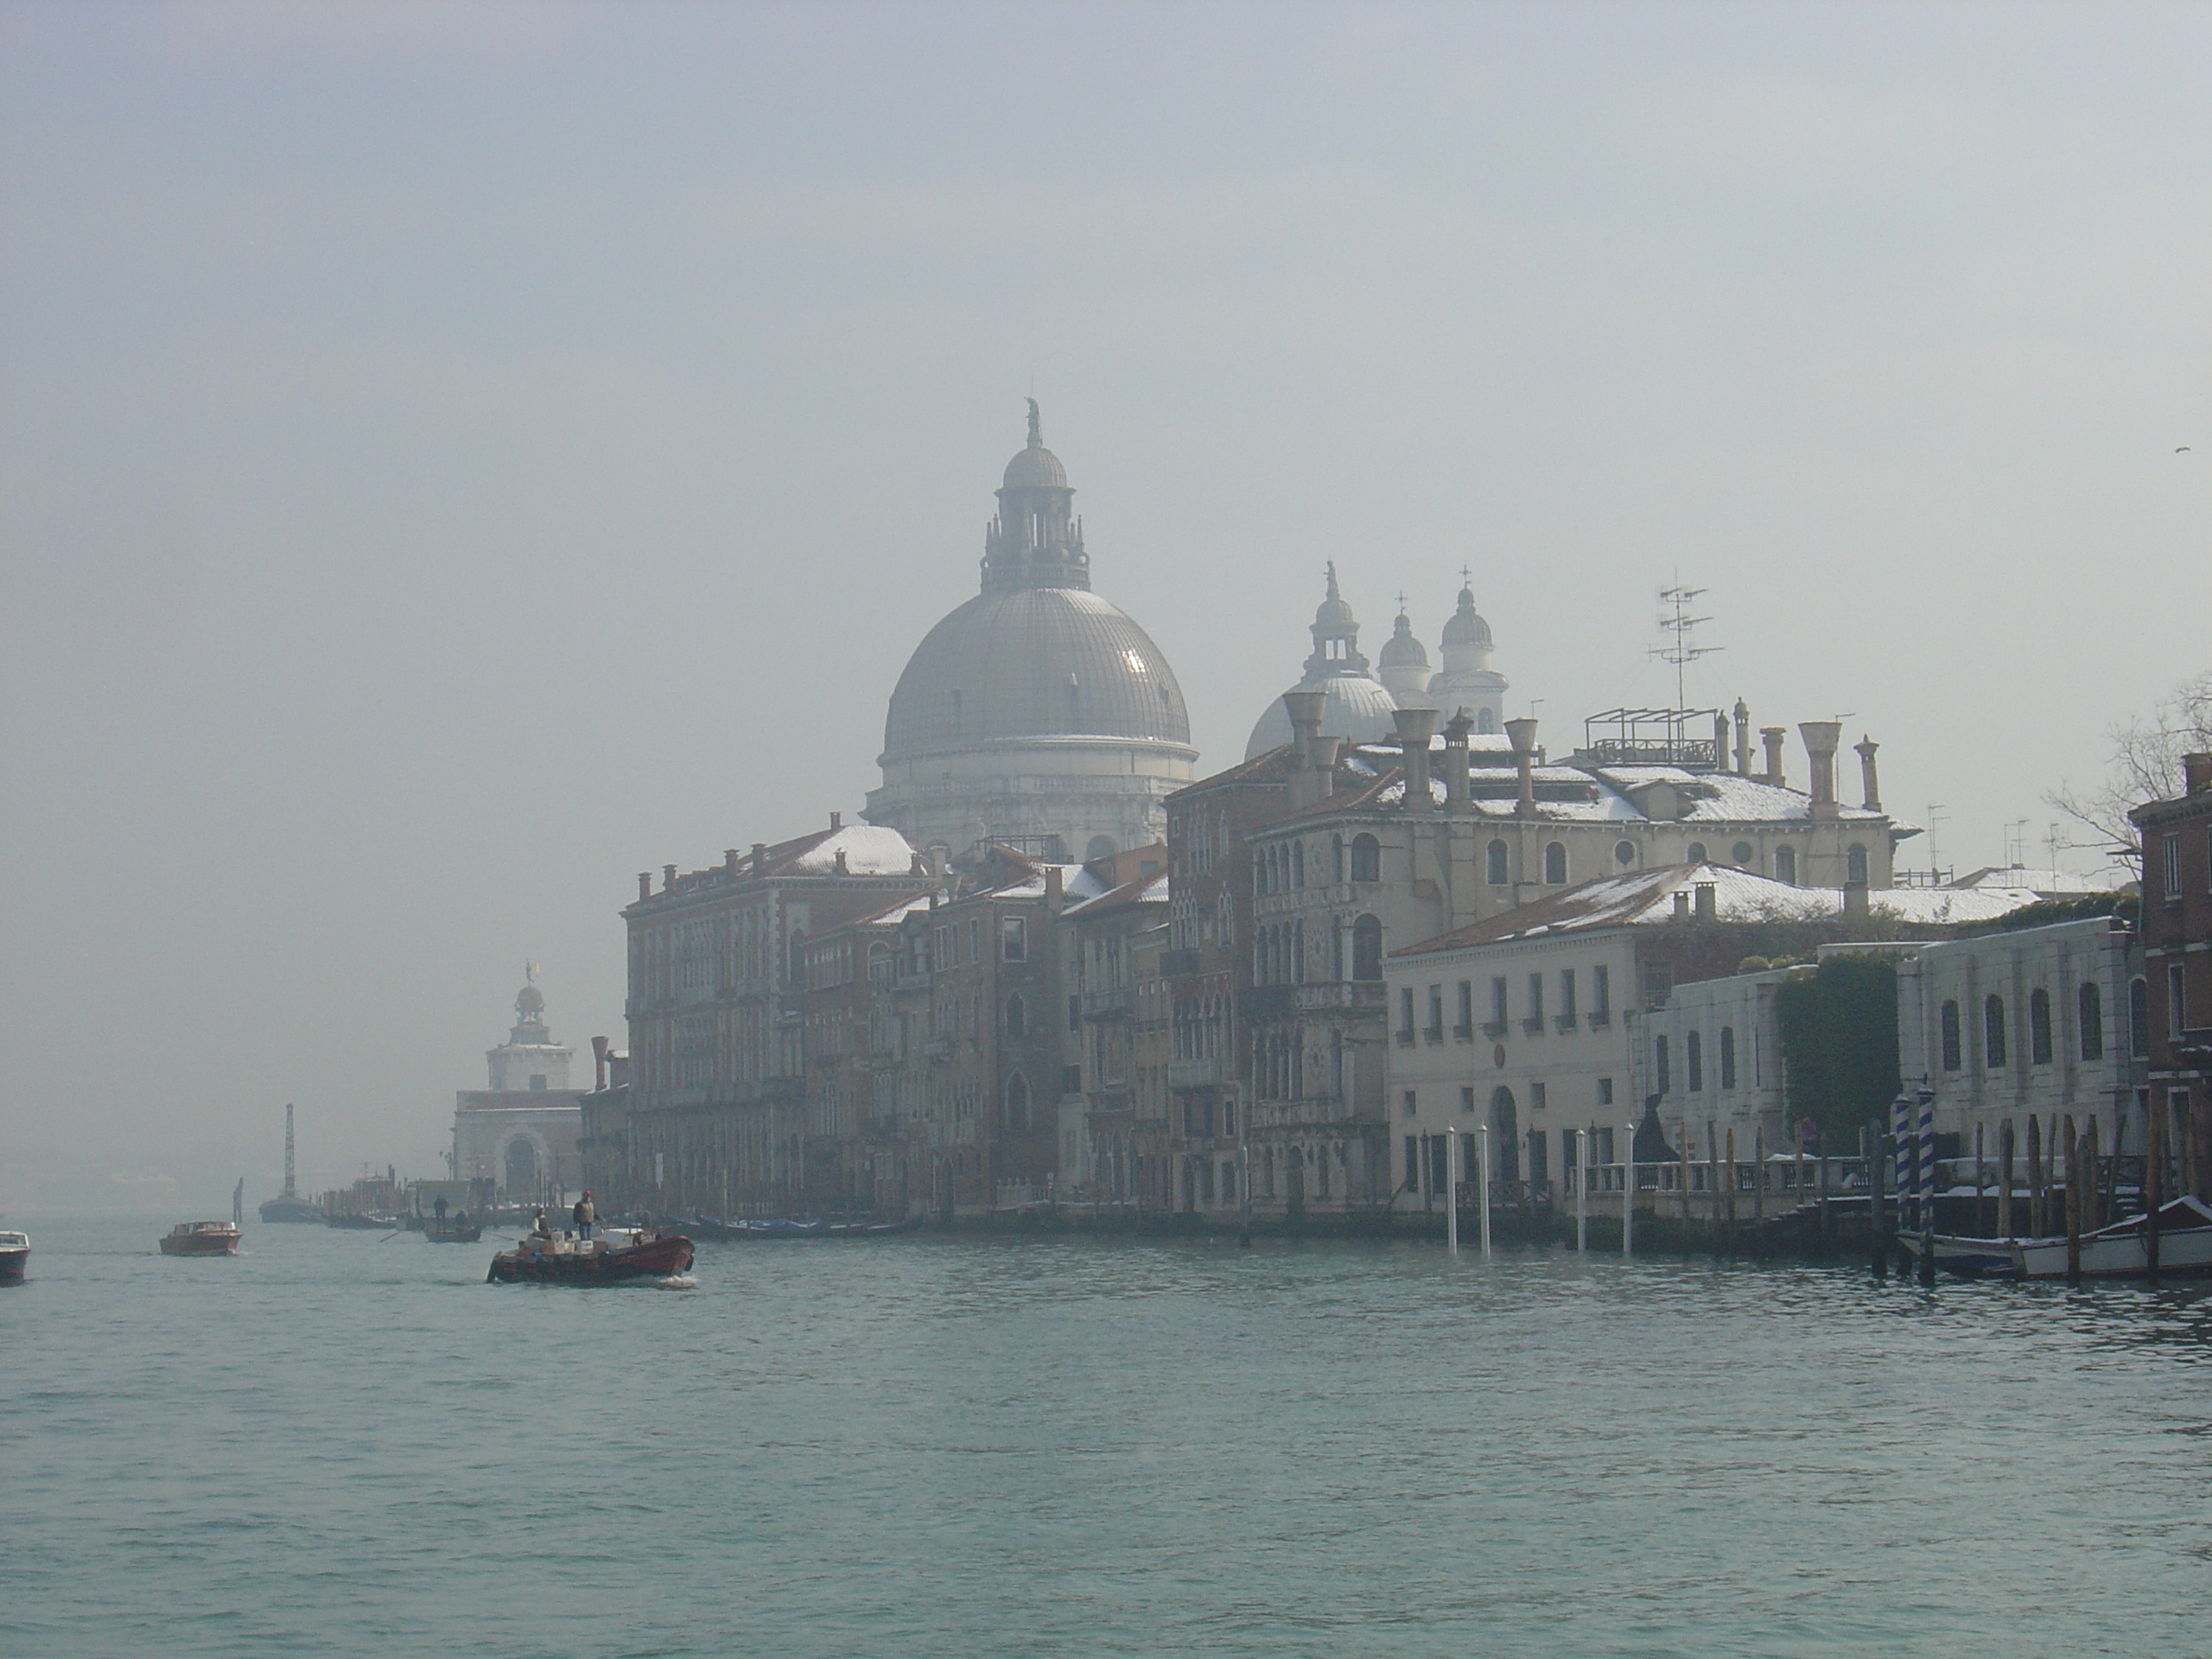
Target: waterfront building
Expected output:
[2010,1025]
[1036,715]
[1113,1110]
[521,1133]
[2175,1001]
[1614,1000]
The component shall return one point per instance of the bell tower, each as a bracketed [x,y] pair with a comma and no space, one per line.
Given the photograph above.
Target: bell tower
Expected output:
[1036,540]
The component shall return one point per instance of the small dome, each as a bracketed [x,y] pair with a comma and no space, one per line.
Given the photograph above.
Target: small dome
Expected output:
[530,1000]
[1354,708]
[1035,468]
[1403,650]
[1467,626]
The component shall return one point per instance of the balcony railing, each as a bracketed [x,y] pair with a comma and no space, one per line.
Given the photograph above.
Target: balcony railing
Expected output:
[1493,1029]
[1534,1025]
[1432,1034]
[1565,1021]
[1193,1073]
[1405,1035]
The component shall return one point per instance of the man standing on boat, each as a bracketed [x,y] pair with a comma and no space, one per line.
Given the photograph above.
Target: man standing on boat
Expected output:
[585,1215]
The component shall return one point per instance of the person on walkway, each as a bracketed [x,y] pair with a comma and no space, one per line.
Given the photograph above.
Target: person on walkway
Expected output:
[585,1215]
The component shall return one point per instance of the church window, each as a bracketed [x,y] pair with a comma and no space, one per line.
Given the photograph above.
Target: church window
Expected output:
[1949,1022]
[1367,949]
[1366,858]
[2091,1002]
[1785,865]
[2039,1027]
[1739,855]
[1555,863]
[1624,853]
[1693,1061]
[1993,1032]
[1728,1056]
[1495,861]
[1855,865]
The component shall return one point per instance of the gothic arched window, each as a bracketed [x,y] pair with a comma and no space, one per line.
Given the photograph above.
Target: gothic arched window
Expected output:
[2039,1027]
[1366,858]
[1367,949]
[1555,863]
[1728,1056]
[1993,1032]
[2092,1004]
[1495,865]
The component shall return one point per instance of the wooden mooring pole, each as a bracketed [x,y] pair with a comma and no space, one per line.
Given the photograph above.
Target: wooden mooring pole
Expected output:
[2073,1146]
[2153,1181]
[2038,1190]
[1871,1150]
[2004,1175]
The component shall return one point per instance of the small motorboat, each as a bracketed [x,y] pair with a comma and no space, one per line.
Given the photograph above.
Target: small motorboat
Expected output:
[791,1227]
[14,1257]
[452,1230]
[290,1207]
[202,1238]
[357,1221]
[615,1255]
[2123,1249]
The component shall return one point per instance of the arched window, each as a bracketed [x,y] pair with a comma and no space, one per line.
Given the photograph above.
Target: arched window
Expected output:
[1696,852]
[1785,865]
[1739,855]
[1662,1073]
[1555,863]
[1367,949]
[1018,1105]
[1495,869]
[2039,1027]
[1855,865]
[1728,1056]
[1017,1017]
[1506,1128]
[1624,853]
[1993,1032]
[2092,1004]
[1950,1022]
[1366,858]
[2139,1018]
[1693,1062]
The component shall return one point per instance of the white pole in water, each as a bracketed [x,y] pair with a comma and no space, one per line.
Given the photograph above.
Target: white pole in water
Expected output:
[1582,1192]
[1628,1194]
[1482,1147]
[1452,1185]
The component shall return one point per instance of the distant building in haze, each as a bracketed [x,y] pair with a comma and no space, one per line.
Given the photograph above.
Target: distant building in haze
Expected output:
[521,1132]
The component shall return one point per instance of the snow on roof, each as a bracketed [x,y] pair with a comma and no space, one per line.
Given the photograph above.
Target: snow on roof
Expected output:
[869,850]
[2049,883]
[1149,889]
[1645,897]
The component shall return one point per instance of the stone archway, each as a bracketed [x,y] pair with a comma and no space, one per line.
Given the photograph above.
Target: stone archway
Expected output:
[520,1167]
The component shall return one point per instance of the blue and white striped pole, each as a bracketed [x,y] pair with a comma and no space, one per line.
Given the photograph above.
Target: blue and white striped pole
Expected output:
[1927,1097]
[1900,1132]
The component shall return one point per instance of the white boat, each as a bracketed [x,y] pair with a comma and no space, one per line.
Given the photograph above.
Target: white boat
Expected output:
[1967,1257]
[2122,1250]
[14,1257]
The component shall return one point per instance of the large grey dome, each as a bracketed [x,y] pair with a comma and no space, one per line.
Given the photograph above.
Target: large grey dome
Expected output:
[1354,708]
[1038,662]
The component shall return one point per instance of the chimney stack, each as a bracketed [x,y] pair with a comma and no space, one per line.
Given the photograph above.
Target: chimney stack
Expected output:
[840,863]
[1742,739]
[667,877]
[1866,746]
[1053,894]
[1304,709]
[2196,774]
[836,821]
[1456,731]
[599,1062]
[1821,738]
[729,860]
[1707,895]
[1771,736]
[1681,904]
[1415,727]
[760,858]
[645,884]
[1522,734]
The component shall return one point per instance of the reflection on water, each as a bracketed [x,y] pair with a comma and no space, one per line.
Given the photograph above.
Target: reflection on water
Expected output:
[1070,1447]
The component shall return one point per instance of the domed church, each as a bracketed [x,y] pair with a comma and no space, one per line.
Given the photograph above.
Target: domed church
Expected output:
[1036,714]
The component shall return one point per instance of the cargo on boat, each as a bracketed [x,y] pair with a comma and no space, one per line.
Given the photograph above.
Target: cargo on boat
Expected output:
[617,1253]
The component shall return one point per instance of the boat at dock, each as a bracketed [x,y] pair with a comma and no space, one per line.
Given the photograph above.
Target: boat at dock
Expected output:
[360,1223]
[1969,1258]
[615,1255]
[2123,1249]
[792,1227]
[14,1257]
[202,1238]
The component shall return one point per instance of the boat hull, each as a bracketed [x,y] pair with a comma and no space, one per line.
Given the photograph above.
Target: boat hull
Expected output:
[205,1243]
[2122,1250]
[439,1232]
[658,1259]
[14,1266]
[1969,1258]
[289,1209]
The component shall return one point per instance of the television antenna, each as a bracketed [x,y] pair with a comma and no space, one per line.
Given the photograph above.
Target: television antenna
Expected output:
[1681,648]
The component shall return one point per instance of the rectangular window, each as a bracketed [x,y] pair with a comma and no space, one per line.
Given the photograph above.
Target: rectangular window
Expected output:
[1497,1007]
[1229,1114]
[1412,1104]
[2177,983]
[1600,995]
[1074,1013]
[1412,1164]
[1534,1021]
[2172,892]
[1602,1153]
[1465,1029]
[1567,996]
[1536,1096]
[1951,1044]
[1659,1064]
[1013,939]
[1605,1092]
[1405,1016]
[1070,1079]
[1434,1033]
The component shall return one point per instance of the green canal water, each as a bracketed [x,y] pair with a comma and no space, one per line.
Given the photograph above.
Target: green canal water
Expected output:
[335,1444]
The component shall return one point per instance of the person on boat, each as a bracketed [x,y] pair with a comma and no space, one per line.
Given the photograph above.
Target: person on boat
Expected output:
[439,1208]
[541,1229]
[460,1216]
[585,1215]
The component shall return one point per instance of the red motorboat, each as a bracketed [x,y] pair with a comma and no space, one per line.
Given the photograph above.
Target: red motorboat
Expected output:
[617,1253]
[202,1238]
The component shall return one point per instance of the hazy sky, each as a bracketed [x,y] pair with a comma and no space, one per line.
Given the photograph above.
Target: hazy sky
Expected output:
[459,456]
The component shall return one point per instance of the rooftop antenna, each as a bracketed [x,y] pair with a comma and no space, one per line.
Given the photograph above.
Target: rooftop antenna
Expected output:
[1934,817]
[2016,842]
[1681,648]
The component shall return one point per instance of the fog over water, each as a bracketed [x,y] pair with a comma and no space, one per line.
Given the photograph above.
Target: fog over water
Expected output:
[456,456]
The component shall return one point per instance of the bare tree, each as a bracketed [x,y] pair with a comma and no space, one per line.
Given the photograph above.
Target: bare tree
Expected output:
[2146,765]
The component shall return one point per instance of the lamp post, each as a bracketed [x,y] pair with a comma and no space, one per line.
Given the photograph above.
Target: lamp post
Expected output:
[1582,1192]
[1628,1194]
[1482,1149]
